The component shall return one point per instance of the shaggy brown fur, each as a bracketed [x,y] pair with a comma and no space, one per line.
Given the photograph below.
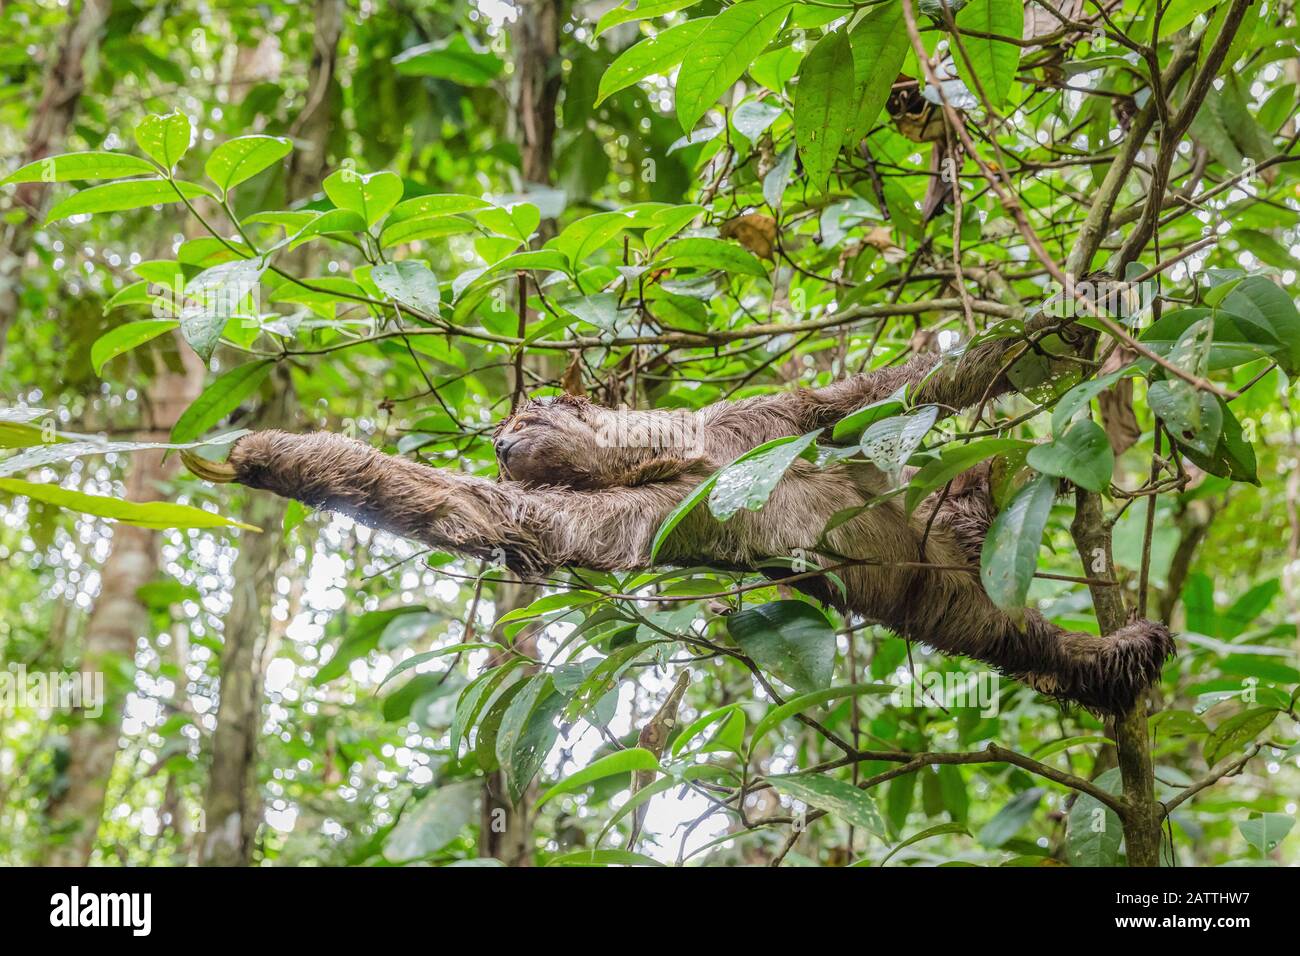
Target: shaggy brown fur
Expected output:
[589,486]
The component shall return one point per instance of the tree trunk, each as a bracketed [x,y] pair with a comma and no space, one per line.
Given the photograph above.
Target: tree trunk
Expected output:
[311,130]
[536,85]
[116,623]
[505,828]
[232,808]
[50,123]
[1132,738]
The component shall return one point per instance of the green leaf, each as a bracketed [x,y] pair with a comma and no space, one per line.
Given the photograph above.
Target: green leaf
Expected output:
[369,195]
[219,399]
[730,736]
[1237,731]
[901,791]
[823,115]
[1190,415]
[244,157]
[527,731]
[1180,13]
[1261,300]
[1233,456]
[753,117]
[361,638]
[1010,553]
[450,59]
[164,139]
[128,194]
[518,220]
[851,426]
[1083,455]
[952,461]
[157,515]
[889,443]
[797,705]
[432,216]
[61,450]
[331,221]
[952,786]
[550,260]
[1011,819]
[622,761]
[700,492]
[70,167]
[669,222]
[653,56]
[137,293]
[749,483]
[13,435]
[992,63]
[631,11]
[602,858]
[1066,743]
[415,660]
[1095,831]
[778,178]
[295,512]
[435,205]
[722,52]
[938,830]
[1264,831]
[1083,393]
[585,236]
[475,697]
[880,45]
[214,297]
[1236,340]
[411,283]
[433,822]
[646,794]
[123,338]
[702,252]
[790,639]
[413,230]
[837,797]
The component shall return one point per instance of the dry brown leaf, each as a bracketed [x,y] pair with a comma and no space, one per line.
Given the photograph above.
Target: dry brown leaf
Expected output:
[755,231]
[1116,404]
[571,380]
[881,238]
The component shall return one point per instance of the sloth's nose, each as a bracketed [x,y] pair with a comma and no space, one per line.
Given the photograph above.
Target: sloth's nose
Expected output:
[503,446]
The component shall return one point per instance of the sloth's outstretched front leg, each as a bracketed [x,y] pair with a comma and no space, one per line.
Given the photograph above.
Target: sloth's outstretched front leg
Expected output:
[956,382]
[532,530]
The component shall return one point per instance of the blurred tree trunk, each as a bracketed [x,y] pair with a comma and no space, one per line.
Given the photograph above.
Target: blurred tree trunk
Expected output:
[116,622]
[51,120]
[536,85]
[232,807]
[506,829]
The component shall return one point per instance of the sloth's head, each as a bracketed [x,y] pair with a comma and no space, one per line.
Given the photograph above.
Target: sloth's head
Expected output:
[572,442]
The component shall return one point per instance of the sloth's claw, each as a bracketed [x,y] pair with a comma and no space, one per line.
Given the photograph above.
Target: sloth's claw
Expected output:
[215,471]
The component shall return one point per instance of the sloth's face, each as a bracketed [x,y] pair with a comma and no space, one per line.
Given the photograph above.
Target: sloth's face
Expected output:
[571,442]
[551,441]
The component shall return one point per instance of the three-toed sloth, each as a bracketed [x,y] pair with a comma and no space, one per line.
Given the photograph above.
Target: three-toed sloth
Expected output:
[571,497]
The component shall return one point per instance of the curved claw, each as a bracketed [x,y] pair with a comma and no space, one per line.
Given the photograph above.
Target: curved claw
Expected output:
[215,471]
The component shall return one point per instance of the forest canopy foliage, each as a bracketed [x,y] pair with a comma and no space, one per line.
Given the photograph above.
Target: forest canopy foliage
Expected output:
[397,221]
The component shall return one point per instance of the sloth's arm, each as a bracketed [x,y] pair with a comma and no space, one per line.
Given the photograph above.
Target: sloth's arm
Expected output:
[531,530]
[977,374]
